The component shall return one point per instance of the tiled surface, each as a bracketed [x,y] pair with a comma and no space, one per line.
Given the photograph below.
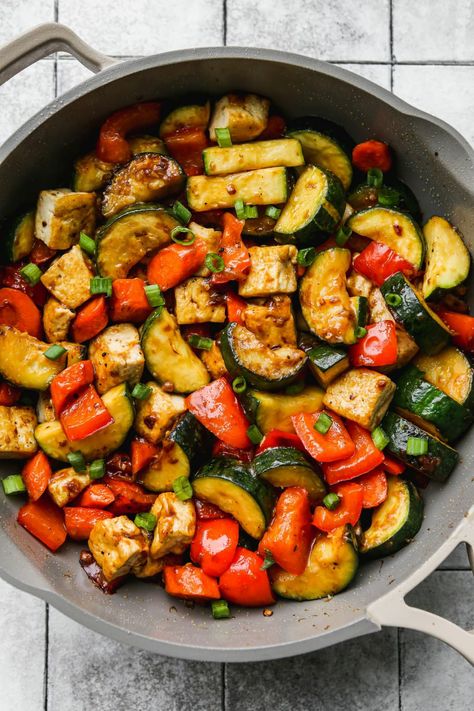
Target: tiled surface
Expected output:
[394,671]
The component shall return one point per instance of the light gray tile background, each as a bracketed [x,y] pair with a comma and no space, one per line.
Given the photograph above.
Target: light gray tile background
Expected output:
[424,52]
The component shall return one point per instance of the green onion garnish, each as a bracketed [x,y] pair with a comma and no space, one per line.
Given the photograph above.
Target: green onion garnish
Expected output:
[141,391]
[97,469]
[393,299]
[181,212]
[214,262]
[273,212]
[200,342]
[416,446]
[254,434]
[101,285]
[374,178]
[87,244]
[182,488]
[295,388]
[13,484]
[388,197]
[360,332]
[268,561]
[54,352]
[32,273]
[251,211]
[240,210]
[220,609]
[323,423]
[342,235]
[239,385]
[331,501]
[306,256]
[145,520]
[380,438]
[223,137]
[77,461]
[154,295]
[180,229]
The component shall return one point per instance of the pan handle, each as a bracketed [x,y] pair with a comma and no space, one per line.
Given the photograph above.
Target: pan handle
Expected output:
[43,40]
[392,610]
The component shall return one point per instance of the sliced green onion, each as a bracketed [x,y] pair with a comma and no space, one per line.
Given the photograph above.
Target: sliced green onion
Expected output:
[141,391]
[342,235]
[268,561]
[239,385]
[388,197]
[32,273]
[180,229]
[416,446]
[251,211]
[220,609]
[101,285]
[295,388]
[214,262]
[360,332]
[154,295]
[181,212]
[223,137]
[393,299]
[273,212]
[254,434]
[374,178]
[200,342]
[240,210]
[331,501]
[323,423]
[87,244]
[182,488]
[54,352]
[13,484]
[306,256]
[77,461]
[97,469]
[145,520]
[380,438]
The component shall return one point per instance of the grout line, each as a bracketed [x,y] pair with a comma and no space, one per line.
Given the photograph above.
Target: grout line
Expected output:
[224,16]
[391,44]
[223,686]
[55,58]
[46,659]
[399,663]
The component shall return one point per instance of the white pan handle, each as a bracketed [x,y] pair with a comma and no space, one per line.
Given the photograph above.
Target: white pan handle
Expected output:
[393,611]
[44,40]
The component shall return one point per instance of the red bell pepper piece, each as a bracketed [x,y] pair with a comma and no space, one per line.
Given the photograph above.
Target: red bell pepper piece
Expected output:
[112,146]
[207,512]
[462,327]
[221,449]
[190,583]
[214,544]
[275,128]
[372,154]
[335,444]
[69,382]
[392,466]
[90,320]
[142,452]
[12,278]
[377,262]
[290,534]
[85,416]
[375,488]
[96,496]
[175,263]
[128,302]
[233,251]
[80,521]
[278,438]
[9,394]
[19,311]
[130,498]
[217,408]
[209,218]
[364,459]
[36,474]
[41,253]
[44,520]
[347,511]
[186,146]
[235,308]
[244,582]
[377,348]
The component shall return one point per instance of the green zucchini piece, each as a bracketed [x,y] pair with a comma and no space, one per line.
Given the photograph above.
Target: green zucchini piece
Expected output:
[437,463]
[287,466]
[396,229]
[325,362]
[316,205]
[229,485]
[360,304]
[415,395]
[193,115]
[146,144]
[252,156]
[325,302]
[451,372]
[22,360]
[53,441]
[261,226]
[271,411]
[168,357]
[447,258]
[91,173]
[130,235]
[332,565]
[395,522]
[364,196]
[19,237]
[267,186]
[423,325]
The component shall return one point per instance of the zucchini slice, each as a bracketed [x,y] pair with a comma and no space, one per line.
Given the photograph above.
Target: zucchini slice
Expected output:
[364,196]
[131,234]
[168,357]
[261,366]
[325,362]
[360,304]
[396,229]
[145,178]
[193,115]
[267,186]
[332,565]
[53,441]
[437,463]
[316,205]
[423,325]
[22,360]
[325,302]
[287,466]
[447,258]
[271,411]
[19,237]
[252,156]
[395,522]
[416,397]
[91,173]
[229,485]
[451,372]
[146,144]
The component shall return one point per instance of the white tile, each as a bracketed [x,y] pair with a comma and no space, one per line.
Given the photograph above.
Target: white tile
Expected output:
[24,95]
[16,16]
[145,26]
[378,73]
[334,30]
[436,30]
[22,647]
[70,74]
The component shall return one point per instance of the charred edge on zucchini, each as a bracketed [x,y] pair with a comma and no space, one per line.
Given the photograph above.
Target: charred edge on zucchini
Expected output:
[286,466]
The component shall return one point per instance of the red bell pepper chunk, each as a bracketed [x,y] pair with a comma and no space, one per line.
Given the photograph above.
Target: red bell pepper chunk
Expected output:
[175,263]
[235,308]
[69,382]
[36,474]
[375,488]
[244,582]
[44,520]
[186,146]
[278,438]
[392,466]
[190,583]
[90,320]
[377,348]
[85,416]
[207,512]
[12,278]
[9,394]
[112,146]
[335,444]
[96,496]
[130,498]
[80,521]
[41,253]
[364,459]
[275,128]
[142,452]
[129,302]
[462,327]
[221,449]
[217,408]
[290,534]
[347,511]
[377,262]
[214,544]
[233,251]
[18,310]
[372,154]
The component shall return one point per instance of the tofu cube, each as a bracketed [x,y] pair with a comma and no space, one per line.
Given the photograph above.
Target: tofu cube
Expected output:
[62,215]
[272,271]
[117,356]
[68,278]
[56,320]
[66,484]
[156,414]
[198,302]
[151,568]
[245,116]
[17,432]
[361,395]
[211,238]
[118,546]
[214,361]
[379,310]
[175,527]
[358,285]
[272,321]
